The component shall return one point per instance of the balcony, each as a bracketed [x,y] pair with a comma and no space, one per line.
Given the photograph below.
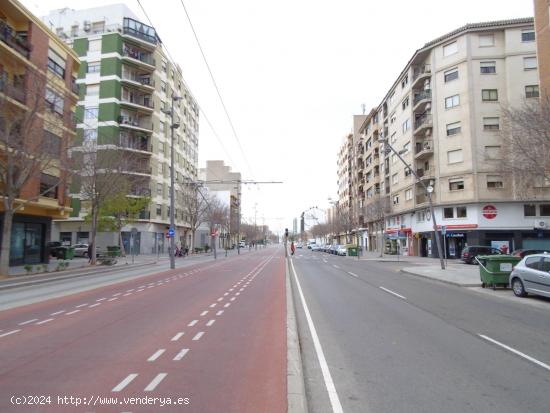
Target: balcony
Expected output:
[10,37]
[423,149]
[422,122]
[420,73]
[134,141]
[136,167]
[139,30]
[137,101]
[140,192]
[141,81]
[421,99]
[425,173]
[142,123]
[139,57]
[13,90]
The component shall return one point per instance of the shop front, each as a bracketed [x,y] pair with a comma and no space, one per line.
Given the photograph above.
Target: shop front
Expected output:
[28,239]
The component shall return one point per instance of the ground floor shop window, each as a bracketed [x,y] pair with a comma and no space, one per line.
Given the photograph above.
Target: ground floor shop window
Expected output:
[27,243]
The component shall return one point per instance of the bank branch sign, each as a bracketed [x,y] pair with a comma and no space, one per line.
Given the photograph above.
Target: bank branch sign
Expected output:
[489,211]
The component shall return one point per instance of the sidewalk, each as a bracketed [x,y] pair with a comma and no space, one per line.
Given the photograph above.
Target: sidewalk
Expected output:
[456,273]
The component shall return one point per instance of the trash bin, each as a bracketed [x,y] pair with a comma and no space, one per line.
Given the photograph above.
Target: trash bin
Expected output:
[495,269]
[113,251]
[352,250]
[69,254]
[65,253]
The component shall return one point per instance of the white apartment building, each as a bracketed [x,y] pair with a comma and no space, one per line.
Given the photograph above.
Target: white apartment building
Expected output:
[443,114]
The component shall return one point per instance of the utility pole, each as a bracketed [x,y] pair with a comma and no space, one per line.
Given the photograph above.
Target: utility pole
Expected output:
[172,230]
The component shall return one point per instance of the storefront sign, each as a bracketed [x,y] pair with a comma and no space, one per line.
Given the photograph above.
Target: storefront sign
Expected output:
[489,211]
[455,235]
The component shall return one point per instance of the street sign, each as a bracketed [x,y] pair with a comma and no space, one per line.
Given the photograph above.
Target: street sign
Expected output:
[443,229]
[171,232]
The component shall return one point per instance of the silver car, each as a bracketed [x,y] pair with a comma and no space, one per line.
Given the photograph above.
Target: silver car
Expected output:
[532,275]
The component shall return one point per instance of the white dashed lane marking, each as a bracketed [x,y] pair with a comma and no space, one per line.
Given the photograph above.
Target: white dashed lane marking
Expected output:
[181,354]
[155,382]
[101,299]
[219,312]
[156,355]
[28,321]
[94,305]
[227,305]
[81,305]
[44,321]
[212,305]
[73,312]
[210,323]
[120,386]
[58,312]
[204,313]
[113,299]
[198,336]
[9,333]
[192,323]
[177,336]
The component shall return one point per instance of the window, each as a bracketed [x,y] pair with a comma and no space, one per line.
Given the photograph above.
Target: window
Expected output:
[528,35]
[393,137]
[533,263]
[529,63]
[94,67]
[486,40]
[159,189]
[491,123]
[493,152]
[545,264]
[49,185]
[455,156]
[489,95]
[91,113]
[392,118]
[406,148]
[453,128]
[452,101]
[94,45]
[405,81]
[51,143]
[394,179]
[163,86]
[159,210]
[160,168]
[393,159]
[161,127]
[488,67]
[56,64]
[451,75]
[421,216]
[406,125]
[450,49]
[90,135]
[494,181]
[164,63]
[405,103]
[92,90]
[407,172]
[532,91]
[396,199]
[461,212]
[54,101]
[456,184]
[544,210]
[448,213]
[529,210]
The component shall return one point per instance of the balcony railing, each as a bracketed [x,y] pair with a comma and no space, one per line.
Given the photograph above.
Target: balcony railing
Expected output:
[140,192]
[136,122]
[144,57]
[423,146]
[9,36]
[421,70]
[13,90]
[140,143]
[141,100]
[144,80]
[424,172]
[423,120]
[425,94]
[141,31]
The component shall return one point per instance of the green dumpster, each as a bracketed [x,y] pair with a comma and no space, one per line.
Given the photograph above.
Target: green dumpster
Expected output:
[113,251]
[65,253]
[352,250]
[495,269]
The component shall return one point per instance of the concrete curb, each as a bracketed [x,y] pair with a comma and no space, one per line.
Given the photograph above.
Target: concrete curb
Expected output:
[403,270]
[296,392]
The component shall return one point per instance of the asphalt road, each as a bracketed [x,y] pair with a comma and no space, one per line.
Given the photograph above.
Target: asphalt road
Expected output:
[397,343]
[211,337]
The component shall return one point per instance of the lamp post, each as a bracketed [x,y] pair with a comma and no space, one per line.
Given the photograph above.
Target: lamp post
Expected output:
[173,126]
[429,189]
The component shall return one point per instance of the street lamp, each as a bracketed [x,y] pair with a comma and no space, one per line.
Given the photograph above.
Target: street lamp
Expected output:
[173,126]
[429,189]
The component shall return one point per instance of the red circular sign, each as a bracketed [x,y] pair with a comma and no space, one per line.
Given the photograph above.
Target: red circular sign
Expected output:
[489,211]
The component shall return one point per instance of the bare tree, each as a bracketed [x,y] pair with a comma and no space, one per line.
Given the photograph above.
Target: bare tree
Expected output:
[33,157]
[375,212]
[104,172]
[194,206]
[526,148]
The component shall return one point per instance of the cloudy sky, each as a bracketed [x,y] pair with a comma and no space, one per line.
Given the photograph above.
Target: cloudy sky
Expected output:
[292,73]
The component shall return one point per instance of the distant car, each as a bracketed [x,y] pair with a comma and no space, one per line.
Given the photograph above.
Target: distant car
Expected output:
[54,248]
[299,245]
[334,248]
[522,253]
[81,250]
[531,276]
[315,247]
[342,251]
[469,253]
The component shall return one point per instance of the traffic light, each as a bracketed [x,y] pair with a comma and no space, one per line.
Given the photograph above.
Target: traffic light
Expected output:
[286,232]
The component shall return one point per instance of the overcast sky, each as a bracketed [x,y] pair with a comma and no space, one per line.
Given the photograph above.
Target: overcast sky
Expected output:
[292,73]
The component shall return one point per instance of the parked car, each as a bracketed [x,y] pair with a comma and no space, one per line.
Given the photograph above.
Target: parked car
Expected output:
[315,247]
[522,253]
[531,276]
[333,248]
[469,253]
[342,251]
[54,248]
[81,250]
[299,245]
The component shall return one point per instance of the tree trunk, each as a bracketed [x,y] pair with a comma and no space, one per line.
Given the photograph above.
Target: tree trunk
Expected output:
[192,247]
[94,232]
[122,249]
[6,243]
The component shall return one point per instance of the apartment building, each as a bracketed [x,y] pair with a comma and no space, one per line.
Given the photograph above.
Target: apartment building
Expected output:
[37,88]
[226,185]
[443,115]
[542,30]
[344,205]
[127,83]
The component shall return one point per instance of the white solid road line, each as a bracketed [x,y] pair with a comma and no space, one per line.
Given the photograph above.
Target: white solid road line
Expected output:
[9,333]
[329,383]
[198,336]
[44,321]
[151,386]
[393,293]
[352,274]
[124,382]
[210,323]
[72,312]
[177,336]
[58,312]
[28,321]
[192,323]
[204,313]
[519,353]
[157,354]
[181,354]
